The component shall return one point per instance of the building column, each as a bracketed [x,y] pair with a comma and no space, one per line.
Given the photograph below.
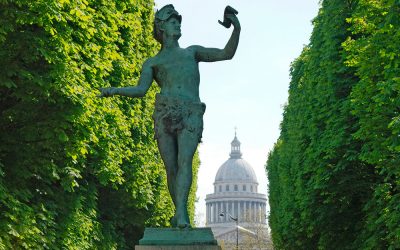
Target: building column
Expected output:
[238,212]
[226,209]
[207,213]
[243,210]
[245,213]
[223,210]
[253,210]
[264,213]
[210,209]
[249,210]
[256,211]
[220,210]
[211,212]
[215,211]
[233,208]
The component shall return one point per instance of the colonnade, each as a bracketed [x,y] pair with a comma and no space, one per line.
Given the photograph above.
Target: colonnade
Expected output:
[246,211]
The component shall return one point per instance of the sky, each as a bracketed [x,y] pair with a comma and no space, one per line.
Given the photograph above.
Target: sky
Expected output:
[249,91]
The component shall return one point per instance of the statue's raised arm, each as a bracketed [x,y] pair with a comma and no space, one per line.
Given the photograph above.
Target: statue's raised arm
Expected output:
[213,54]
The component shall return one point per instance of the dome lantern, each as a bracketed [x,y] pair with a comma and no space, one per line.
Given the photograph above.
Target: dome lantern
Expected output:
[235,148]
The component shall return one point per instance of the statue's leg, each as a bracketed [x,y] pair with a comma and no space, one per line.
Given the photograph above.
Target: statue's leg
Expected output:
[187,145]
[167,145]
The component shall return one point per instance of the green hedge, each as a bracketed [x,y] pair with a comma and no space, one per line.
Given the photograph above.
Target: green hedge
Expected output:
[77,171]
[334,172]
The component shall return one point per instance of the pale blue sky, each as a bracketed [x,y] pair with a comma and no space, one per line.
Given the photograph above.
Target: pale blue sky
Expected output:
[248,91]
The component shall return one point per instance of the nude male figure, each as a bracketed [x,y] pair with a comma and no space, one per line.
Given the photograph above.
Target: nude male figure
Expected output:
[178,115]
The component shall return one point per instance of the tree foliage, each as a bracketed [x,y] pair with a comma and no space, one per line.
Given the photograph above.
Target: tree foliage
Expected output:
[373,51]
[333,174]
[76,171]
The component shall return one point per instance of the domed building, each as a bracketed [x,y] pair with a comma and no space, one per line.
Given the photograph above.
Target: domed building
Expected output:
[235,209]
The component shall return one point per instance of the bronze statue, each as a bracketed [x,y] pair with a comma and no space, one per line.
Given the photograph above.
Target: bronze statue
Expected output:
[178,115]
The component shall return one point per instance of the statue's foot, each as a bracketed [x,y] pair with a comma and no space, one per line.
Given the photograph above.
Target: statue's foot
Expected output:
[182,218]
[184,226]
[184,222]
[174,221]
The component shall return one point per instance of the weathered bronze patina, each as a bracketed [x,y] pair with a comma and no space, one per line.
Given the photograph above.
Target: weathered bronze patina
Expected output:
[178,115]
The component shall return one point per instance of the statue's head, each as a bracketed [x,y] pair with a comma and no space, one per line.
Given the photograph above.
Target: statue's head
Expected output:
[161,17]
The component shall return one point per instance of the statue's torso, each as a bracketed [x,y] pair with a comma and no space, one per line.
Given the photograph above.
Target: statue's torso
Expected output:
[177,73]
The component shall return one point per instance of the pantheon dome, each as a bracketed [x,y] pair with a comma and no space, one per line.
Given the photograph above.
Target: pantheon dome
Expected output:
[235,201]
[235,174]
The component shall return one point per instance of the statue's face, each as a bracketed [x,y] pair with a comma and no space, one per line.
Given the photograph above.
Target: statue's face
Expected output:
[172,27]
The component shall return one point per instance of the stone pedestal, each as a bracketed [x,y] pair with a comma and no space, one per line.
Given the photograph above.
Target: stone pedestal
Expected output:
[179,239]
[189,247]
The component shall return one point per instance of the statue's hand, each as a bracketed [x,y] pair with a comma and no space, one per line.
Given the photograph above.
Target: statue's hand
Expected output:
[107,92]
[228,19]
[234,20]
